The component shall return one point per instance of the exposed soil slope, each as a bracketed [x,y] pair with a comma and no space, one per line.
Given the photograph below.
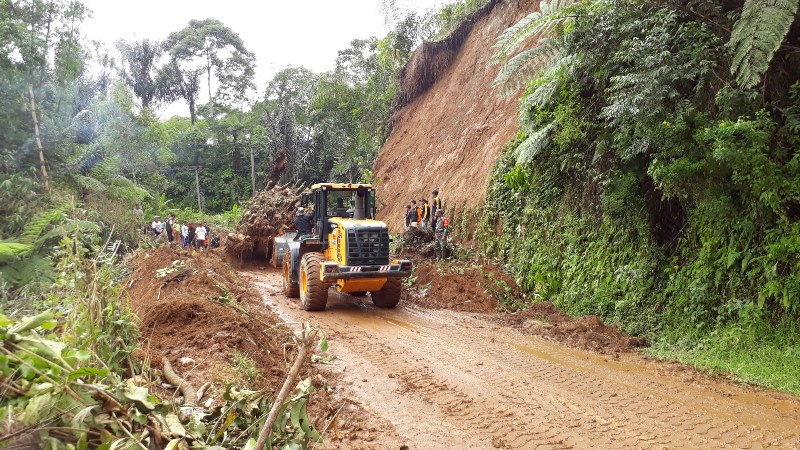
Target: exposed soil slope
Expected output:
[449,136]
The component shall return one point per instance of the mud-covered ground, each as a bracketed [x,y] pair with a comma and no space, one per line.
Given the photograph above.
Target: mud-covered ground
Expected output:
[445,369]
[430,377]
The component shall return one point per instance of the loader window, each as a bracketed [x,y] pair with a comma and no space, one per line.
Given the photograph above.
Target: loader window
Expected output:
[340,203]
[347,204]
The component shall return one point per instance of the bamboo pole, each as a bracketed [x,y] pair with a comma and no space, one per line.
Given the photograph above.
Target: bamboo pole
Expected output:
[197,186]
[253,171]
[305,342]
[39,140]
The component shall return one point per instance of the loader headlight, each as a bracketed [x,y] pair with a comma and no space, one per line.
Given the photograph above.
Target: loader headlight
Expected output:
[405,266]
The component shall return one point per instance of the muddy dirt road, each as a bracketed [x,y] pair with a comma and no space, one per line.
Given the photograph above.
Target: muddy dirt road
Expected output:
[445,379]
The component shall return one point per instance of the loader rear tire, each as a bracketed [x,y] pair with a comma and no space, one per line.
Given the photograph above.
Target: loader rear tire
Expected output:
[290,288]
[313,292]
[389,295]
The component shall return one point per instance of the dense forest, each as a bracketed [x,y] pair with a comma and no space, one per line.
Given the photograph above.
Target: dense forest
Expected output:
[656,180]
[99,146]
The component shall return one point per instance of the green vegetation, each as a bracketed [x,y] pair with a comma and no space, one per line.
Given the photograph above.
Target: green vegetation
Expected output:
[656,181]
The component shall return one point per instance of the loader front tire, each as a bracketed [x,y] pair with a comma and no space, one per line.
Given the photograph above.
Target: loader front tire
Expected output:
[313,292]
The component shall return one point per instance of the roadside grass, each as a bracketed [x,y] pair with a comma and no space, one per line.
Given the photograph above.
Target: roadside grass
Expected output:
[762,354]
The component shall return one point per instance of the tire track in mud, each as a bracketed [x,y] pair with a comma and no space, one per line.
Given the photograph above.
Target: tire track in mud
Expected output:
[485,386]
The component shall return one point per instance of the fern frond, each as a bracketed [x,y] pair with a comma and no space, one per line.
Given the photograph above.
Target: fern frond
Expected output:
[36,227]
[547,84]
[90,184]
[21,273]
[10,251]
[535,143]
[107,168]
[756,37]
[132,191]
[522,67]
[538,23]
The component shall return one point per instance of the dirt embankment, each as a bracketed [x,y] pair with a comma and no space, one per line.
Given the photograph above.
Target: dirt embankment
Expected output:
[449,135]
[212,325]
[196,311]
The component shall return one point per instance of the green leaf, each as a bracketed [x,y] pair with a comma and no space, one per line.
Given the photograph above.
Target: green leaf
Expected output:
[757,35]
[87,372]
[323,345]
[32,322]
[139,394]
[78,421]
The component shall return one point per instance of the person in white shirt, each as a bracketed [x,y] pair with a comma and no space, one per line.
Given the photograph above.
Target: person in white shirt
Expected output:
[157,226]
[200,236]
[184,234]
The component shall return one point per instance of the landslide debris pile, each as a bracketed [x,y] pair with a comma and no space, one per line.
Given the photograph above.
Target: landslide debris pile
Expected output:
[197,312]
[268,214]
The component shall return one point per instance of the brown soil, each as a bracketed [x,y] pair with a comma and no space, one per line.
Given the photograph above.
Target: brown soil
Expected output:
[589,333]
[469,287]
[202,314]
[455,286]
[450,135]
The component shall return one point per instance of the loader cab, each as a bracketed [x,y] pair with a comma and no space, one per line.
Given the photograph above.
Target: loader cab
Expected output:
[348,201]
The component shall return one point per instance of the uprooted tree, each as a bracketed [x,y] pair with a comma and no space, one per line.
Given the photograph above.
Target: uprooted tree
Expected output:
[268,214]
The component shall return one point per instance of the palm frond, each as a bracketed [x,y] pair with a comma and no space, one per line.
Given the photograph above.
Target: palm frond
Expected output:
[756,37]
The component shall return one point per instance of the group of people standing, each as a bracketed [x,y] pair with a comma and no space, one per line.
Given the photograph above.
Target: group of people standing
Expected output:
[429,217]
[424,215]
[197,235]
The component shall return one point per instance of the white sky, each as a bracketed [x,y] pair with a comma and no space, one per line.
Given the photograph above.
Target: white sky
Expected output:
[280,33]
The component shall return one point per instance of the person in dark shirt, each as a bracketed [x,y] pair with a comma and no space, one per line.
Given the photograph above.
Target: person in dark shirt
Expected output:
[303,222]
[411,216]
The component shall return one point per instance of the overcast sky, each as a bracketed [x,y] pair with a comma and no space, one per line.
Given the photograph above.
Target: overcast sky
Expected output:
[293,32]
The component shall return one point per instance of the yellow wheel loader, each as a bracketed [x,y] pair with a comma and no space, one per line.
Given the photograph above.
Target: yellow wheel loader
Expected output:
[348,250]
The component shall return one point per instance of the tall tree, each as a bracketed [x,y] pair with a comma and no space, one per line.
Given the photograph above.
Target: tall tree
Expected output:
[140,70]
[182,83]
[220,52]
[285,114]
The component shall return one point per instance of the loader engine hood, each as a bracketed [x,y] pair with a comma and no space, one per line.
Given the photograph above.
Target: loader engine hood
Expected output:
[366,241]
